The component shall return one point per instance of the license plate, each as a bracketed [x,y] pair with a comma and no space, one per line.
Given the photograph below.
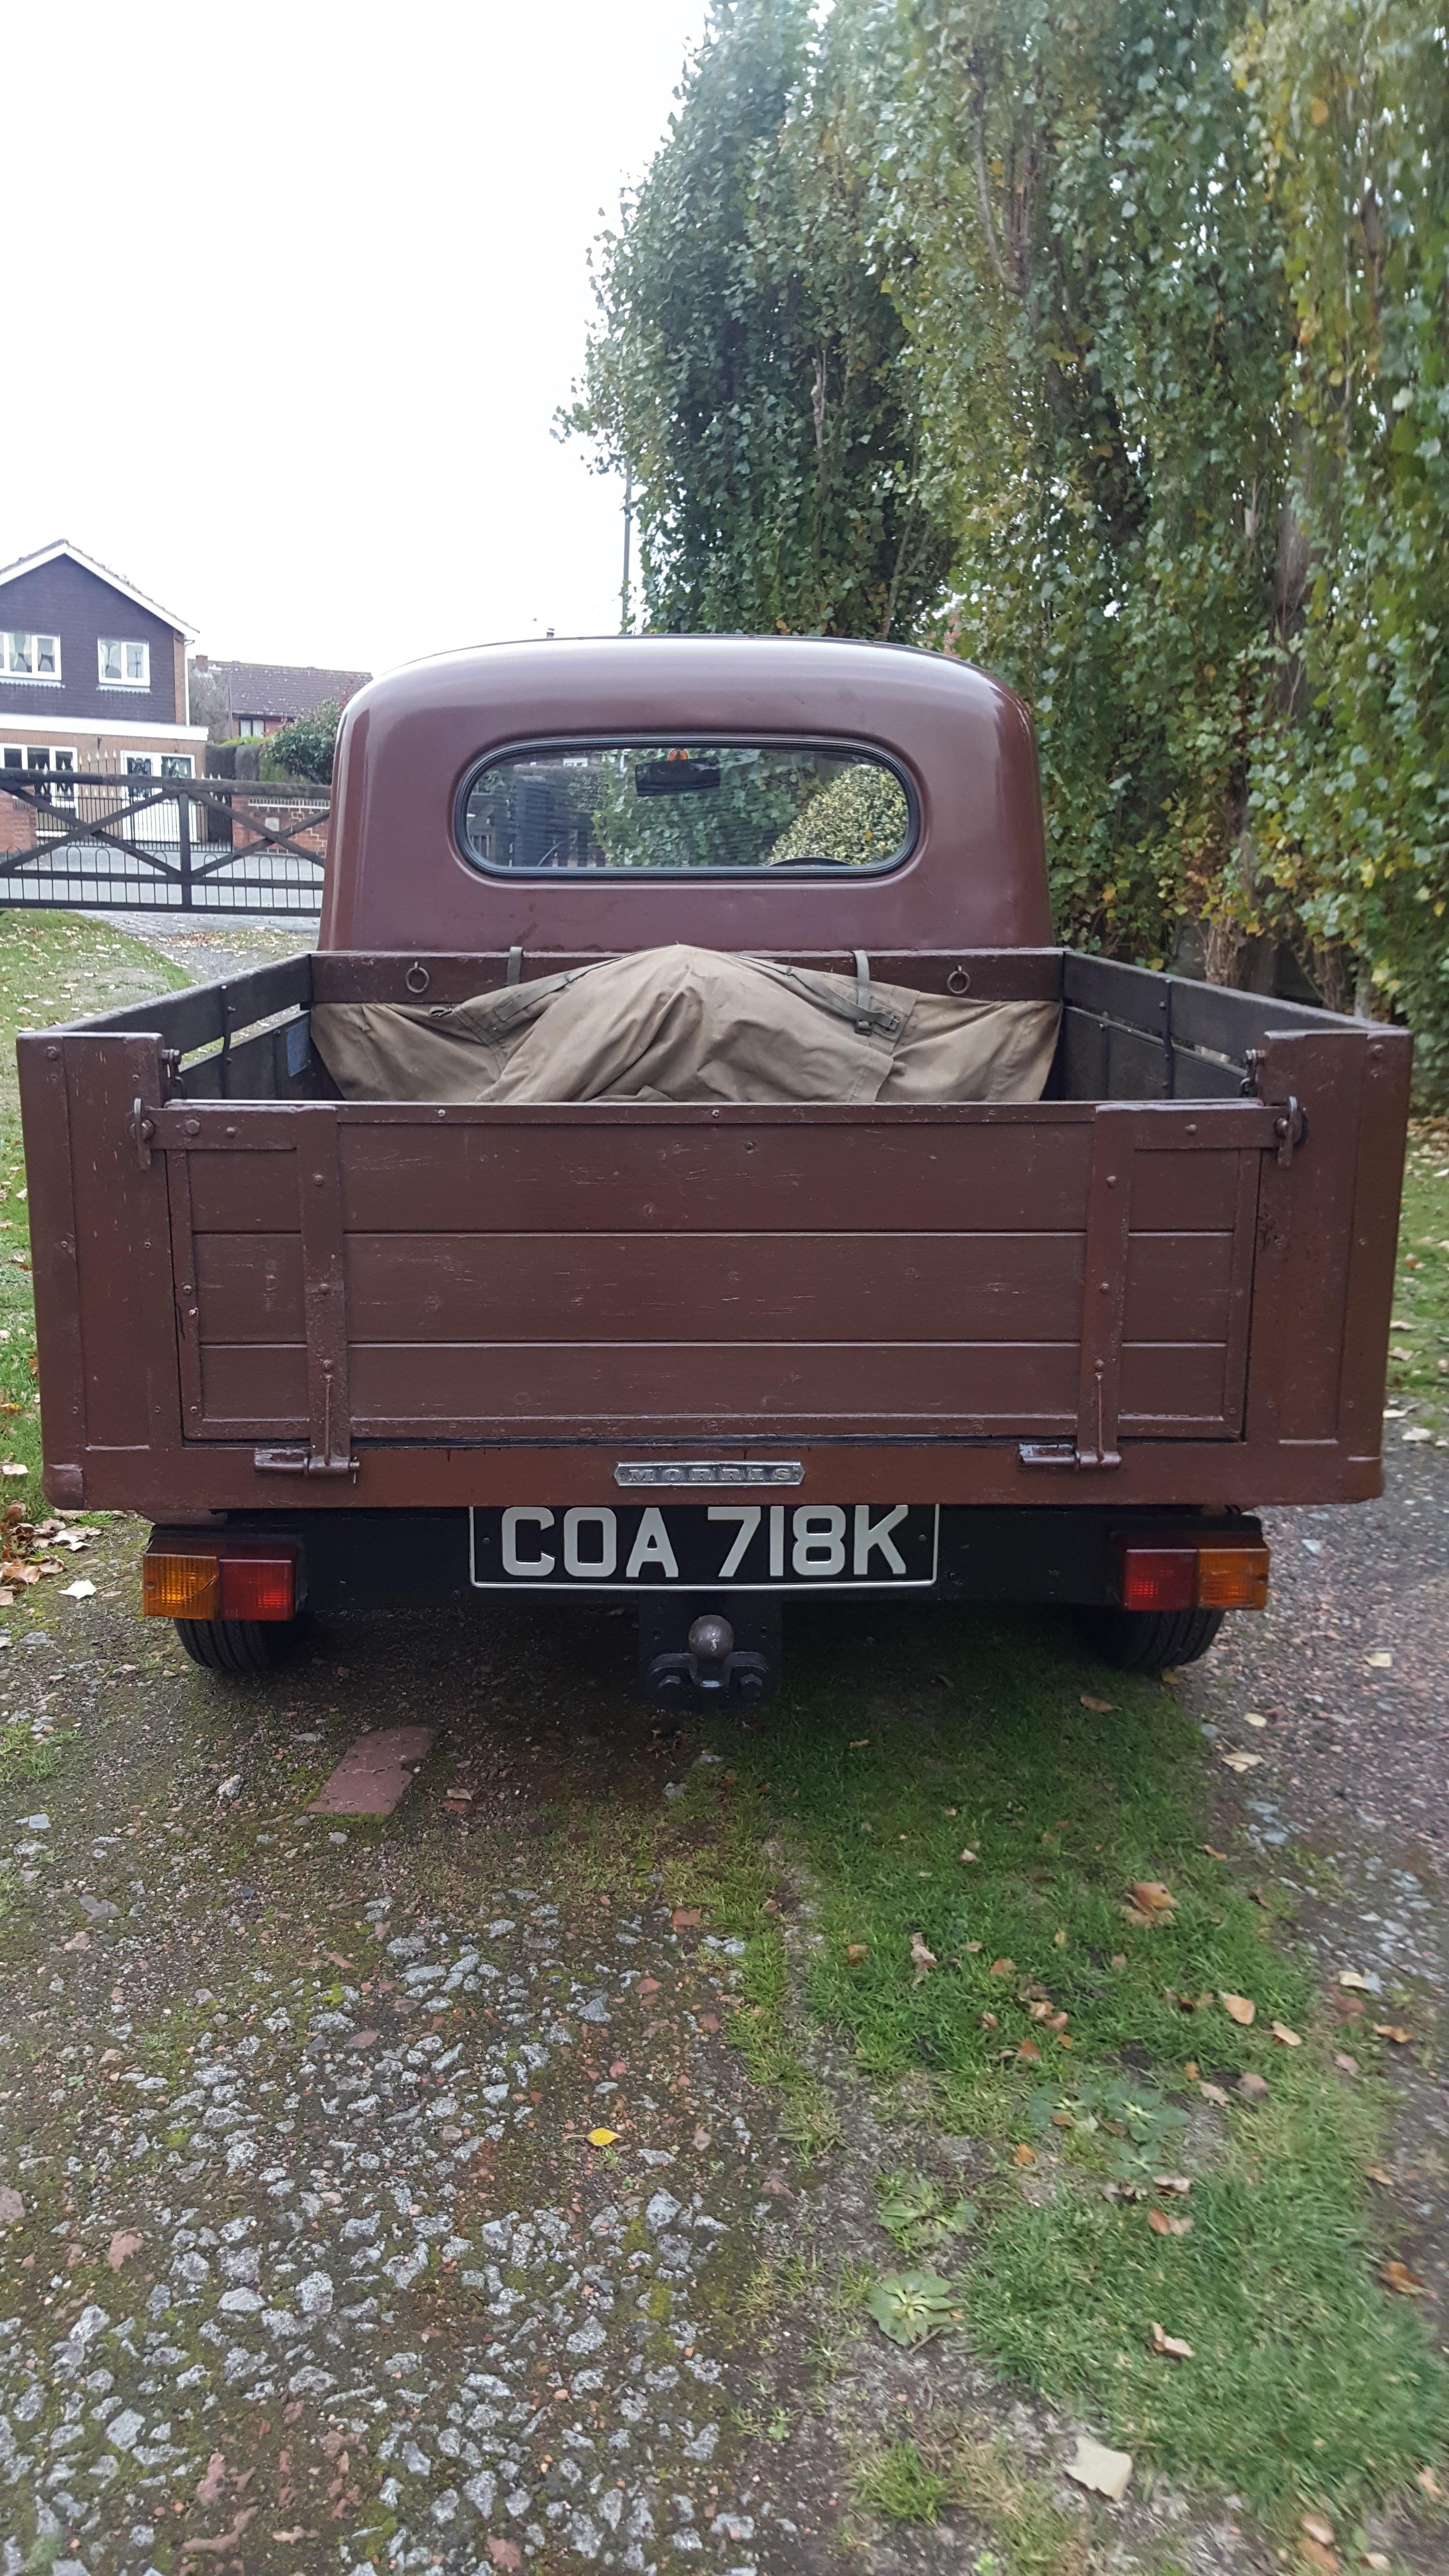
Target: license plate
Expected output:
[698,1547]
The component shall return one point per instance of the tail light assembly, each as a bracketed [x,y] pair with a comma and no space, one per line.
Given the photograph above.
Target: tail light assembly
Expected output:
[220,1578]
[1217,1575]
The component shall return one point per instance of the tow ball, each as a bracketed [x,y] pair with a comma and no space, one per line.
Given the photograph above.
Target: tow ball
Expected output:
[715,1657]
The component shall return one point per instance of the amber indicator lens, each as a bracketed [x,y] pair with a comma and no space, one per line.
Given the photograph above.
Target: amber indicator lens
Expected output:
[258,1587]
[1232,1578]
[1158,1578]
[180,1587]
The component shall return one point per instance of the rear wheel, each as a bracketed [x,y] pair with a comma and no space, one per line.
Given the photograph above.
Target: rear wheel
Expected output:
[1144,1641]
[234,1645]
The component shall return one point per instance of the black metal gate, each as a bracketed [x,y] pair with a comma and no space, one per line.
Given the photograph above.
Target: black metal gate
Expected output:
[88,843]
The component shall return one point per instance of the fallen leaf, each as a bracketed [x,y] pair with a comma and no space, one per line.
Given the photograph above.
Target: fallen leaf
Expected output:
[1348,2065]
[1179,2183]
[80,1590]
[1190,2070]
[1003,1968]
[1152,1896]
[1162,2225]
[1393,2030]
[1379,1662]
[505,2553]
[648,1986]
[1172,2345]
[1118,1959]
[857,1743]
[989,2021]
[966,1855]
[855,1951]
[685,1917]
[1252,2087]
[1376,2173]
[362,2038]
[1059,1940]
[1238,2009]
[1023,2155]
[1353,1977]
[1103,1707]
[1030,2051]
[922,1959]
[1430,2484]
[1289,2038]
[1251,1718]
[1238,1761]
[122,2245]
[1397,2276]
[1319,2528]
[1315,2555]
[603,2137]
[1102,2472]
[1213,1853]
[12,1467]
[1213,2093]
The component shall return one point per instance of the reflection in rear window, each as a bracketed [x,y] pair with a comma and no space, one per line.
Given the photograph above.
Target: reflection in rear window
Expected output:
[650,806]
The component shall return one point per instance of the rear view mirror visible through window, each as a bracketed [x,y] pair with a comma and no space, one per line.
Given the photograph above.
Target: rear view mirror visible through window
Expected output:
[627,808]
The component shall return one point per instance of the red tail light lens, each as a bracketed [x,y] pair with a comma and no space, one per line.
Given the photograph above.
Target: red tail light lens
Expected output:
[258,1587]
[1158,1578]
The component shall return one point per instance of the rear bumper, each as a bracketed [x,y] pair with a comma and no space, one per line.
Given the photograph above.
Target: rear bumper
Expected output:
[359,1560]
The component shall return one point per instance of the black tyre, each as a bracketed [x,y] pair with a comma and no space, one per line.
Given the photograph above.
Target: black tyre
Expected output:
[1143,1641]
[233,1645]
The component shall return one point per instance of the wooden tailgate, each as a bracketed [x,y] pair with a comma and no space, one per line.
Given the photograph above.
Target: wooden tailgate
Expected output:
[1063,1272]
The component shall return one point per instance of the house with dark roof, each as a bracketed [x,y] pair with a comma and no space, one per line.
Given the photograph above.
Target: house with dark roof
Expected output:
[257,698]
[92,672]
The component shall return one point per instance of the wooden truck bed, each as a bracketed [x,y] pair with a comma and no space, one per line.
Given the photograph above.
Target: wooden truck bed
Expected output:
[1167,1282]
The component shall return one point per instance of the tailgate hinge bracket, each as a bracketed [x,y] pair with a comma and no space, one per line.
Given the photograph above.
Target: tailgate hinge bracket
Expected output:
[1291,1128]
[141,1127]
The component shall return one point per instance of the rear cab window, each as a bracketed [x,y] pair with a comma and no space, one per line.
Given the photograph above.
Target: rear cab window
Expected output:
[674,808]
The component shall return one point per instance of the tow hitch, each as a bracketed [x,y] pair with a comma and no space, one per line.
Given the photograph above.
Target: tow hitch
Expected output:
[714,1655]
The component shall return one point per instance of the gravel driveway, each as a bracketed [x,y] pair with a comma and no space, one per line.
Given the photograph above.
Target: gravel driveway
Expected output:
[314,2264]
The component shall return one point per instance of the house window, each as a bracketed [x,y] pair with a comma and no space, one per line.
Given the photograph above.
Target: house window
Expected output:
[60,765]
[30,657]
[251,727]
[163,764]
[123,665]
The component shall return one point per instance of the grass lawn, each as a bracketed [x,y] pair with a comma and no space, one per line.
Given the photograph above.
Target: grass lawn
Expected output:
[973,1788]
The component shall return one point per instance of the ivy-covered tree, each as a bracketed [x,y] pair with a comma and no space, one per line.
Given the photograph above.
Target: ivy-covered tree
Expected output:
[1105,342]
[1351,770]
[749,373]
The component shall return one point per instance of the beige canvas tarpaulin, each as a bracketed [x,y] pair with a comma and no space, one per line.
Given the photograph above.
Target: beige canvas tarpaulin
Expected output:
[690,1024]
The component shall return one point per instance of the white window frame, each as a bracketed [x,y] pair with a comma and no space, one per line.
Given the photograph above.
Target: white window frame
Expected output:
[122,644]
[38,679]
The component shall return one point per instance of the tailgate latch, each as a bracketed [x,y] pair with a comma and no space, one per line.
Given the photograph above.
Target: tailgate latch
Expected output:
[1064,1453]
[302,1462]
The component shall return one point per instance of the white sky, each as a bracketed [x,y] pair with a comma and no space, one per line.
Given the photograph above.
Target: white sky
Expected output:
[298,290]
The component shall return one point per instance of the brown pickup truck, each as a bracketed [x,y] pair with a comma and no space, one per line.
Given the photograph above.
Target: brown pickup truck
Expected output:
[1051,1344]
